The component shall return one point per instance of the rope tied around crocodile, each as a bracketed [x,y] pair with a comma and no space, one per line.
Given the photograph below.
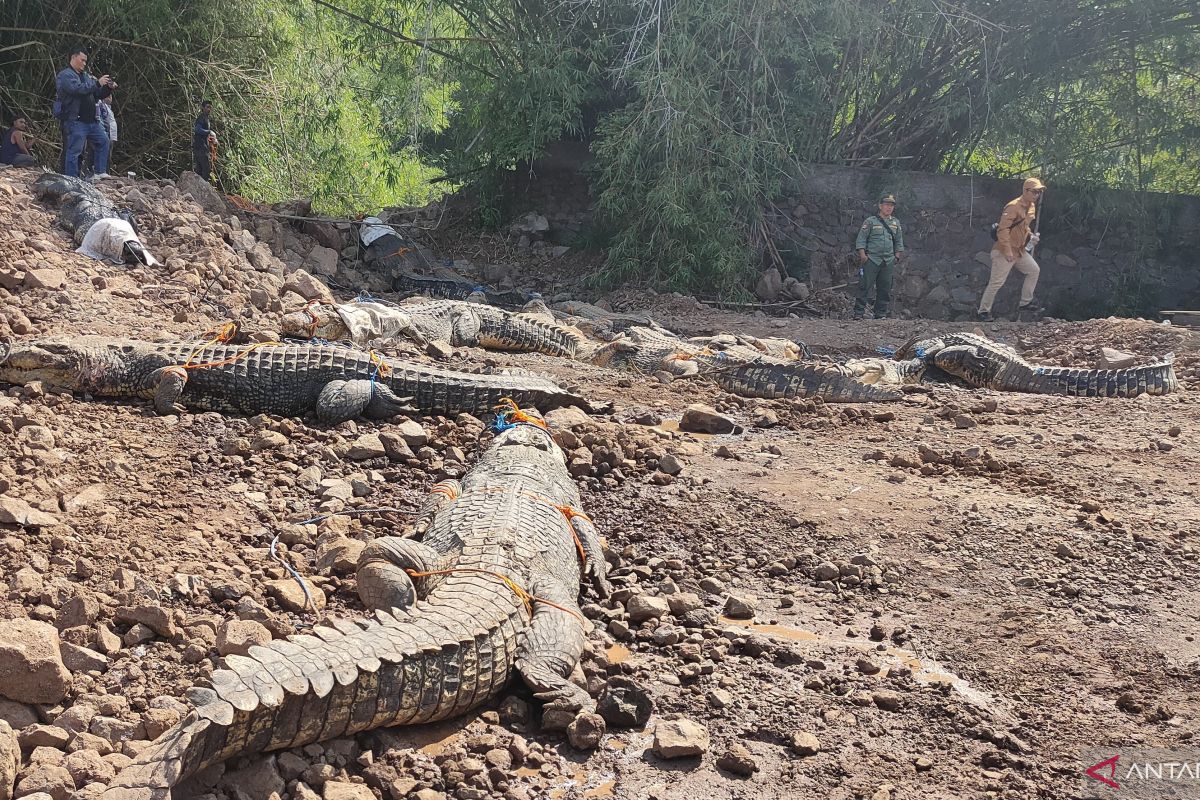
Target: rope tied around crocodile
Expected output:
[510,415]
[524,596]
[220,335]
[314,320]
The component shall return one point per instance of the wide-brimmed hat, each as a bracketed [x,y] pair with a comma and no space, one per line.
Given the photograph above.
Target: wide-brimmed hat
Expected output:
[1033,183]
[888,198]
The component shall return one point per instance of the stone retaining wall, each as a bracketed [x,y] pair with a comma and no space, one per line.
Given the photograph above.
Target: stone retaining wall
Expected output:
[1095,259]
[1092,257]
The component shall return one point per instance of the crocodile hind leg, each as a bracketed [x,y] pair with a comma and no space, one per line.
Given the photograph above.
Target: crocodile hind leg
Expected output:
[464,329]
[383,578]
[595,567]
[552,644]
[343,400]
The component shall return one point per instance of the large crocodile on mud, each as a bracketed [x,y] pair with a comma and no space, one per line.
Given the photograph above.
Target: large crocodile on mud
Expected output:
[986,364]
[452,322]
[739,369]
[487,587]
[337,383]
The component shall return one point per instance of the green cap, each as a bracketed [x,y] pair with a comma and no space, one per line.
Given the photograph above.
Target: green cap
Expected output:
[888,198]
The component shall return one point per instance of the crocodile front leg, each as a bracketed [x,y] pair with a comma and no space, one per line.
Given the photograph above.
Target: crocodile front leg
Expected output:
[168,384]
[440,497]
[552,644]
[464,328]
[343,400]
[383,579]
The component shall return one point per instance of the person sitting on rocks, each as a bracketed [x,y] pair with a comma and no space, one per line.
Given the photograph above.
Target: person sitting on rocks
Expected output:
[14,145]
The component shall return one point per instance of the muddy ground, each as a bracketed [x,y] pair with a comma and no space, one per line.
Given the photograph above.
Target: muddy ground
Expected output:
[965,594]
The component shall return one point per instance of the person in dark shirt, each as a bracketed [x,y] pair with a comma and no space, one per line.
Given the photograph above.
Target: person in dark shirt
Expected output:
[14,145]
[77,96]
[202,134]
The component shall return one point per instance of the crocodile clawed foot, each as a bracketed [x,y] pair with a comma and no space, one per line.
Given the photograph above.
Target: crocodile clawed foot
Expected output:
[600,584]
[569,697]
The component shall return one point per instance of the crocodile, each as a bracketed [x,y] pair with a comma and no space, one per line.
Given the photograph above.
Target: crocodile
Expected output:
[81,205]
[485,587]
[456,323]
[337,383]
[604,323]
[985,364]
[447,288]
[885,371]
[738,369]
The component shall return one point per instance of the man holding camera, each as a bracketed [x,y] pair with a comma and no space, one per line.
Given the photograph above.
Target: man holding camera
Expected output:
[78,93]
[1014,249]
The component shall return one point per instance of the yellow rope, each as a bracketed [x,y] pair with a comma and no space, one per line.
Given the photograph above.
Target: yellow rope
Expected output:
[221,336]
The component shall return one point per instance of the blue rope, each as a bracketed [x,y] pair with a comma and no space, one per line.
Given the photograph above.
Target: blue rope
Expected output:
[886,351]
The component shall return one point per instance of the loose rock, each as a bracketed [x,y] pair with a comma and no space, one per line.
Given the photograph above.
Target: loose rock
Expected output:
[679,738]
[31,668]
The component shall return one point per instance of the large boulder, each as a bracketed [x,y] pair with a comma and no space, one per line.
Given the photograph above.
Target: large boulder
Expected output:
[769,285]
[308,287]
[203,193]
[31,667]
[322,261]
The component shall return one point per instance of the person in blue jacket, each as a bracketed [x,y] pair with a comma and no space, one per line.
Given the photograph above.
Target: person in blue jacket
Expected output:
[77,94]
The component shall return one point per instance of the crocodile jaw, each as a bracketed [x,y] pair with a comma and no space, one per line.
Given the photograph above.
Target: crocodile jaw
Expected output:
[22,363]
[319,322]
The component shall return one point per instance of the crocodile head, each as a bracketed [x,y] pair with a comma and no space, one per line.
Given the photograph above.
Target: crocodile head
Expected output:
[617,353]
[529,436]
[314,322]
[964,361]
[57,364]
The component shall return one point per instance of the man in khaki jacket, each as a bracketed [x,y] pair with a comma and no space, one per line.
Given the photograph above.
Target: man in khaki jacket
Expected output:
[1013,234]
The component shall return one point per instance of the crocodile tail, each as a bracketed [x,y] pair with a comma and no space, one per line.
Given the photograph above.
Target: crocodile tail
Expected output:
[1153,379]
[529,335]
[396,668]
[793,381]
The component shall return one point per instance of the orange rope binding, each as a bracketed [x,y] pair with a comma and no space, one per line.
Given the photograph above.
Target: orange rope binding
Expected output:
[312,329]
[525,597]
[222,335]
[509,411]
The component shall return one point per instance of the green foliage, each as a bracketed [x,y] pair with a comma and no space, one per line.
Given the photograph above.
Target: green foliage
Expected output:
[290,105]
[697,114]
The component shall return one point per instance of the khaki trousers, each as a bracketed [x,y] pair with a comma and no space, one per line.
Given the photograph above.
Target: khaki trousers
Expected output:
[1000,269]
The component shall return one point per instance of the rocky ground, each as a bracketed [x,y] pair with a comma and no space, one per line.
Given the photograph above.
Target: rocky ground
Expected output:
[956,596]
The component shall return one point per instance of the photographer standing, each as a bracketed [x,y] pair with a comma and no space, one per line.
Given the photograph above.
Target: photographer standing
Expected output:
[78,94]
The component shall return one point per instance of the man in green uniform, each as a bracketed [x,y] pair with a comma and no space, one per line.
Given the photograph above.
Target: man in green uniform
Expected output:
[880,245]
